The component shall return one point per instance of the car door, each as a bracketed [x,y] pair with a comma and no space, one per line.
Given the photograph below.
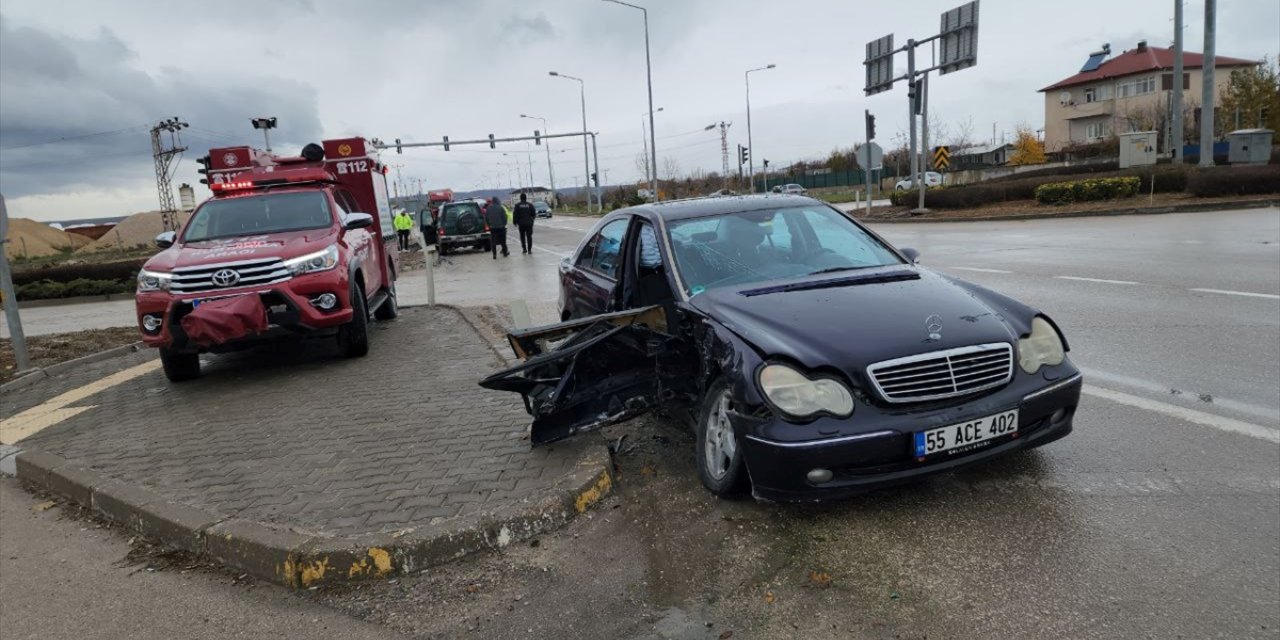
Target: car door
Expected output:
[596,279]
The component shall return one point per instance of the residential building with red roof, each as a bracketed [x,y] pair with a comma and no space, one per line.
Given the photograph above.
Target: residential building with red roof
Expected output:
[1129,92]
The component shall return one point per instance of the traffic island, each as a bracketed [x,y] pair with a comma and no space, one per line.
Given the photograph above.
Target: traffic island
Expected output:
[305,469]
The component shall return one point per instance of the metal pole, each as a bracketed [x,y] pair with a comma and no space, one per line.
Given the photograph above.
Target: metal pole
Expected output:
[644,144]
[653,141]
[911,112]
[751,149]
[924,135]
[1207,88]
[586,165]
[11,315]
[266,137]
[1176,143]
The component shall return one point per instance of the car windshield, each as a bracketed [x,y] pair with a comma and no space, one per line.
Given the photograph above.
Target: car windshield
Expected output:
[758,246]
[255,215]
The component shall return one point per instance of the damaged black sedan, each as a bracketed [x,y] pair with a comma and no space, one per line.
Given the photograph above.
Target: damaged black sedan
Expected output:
[812,358]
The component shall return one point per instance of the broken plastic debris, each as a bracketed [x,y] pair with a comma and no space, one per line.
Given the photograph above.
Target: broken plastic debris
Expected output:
[45,506]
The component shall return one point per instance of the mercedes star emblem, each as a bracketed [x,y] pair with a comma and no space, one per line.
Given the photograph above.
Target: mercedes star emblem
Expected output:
[933,324]
[225,277]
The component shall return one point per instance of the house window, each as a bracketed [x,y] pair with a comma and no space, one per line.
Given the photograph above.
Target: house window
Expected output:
[1137,87]
[1097,94]
[1095,131]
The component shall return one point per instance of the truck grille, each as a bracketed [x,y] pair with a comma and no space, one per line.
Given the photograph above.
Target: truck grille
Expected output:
[228,275]
[943,374]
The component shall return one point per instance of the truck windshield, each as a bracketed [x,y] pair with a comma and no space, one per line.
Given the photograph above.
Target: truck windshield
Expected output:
[256,215]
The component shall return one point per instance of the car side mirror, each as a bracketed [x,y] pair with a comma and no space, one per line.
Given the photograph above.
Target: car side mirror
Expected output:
[911,254]
[358,221]
[166,239]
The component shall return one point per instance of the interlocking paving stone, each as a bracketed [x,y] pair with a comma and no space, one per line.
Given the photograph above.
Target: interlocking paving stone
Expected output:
[295,436]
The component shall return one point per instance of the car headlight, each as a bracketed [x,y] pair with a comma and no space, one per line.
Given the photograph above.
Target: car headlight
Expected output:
[312,262]
[1042,347]
[796,394]
[153,280]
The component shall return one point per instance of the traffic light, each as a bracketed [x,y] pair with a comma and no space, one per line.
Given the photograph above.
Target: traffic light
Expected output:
[743,154]
[871,127]
[914,94]
[204,168]
[537,137]
[766,164]
[399,149]
[446,143]
[491,146]
[595,179]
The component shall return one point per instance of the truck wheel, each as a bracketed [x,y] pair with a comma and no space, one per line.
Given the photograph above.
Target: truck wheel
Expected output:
[353,337]
[719,454]
[180,367]
[389,309]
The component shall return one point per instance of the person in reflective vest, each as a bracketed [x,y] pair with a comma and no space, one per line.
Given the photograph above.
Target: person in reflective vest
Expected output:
[403,222]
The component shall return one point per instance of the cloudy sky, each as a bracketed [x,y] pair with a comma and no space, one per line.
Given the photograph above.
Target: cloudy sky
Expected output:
[82,81]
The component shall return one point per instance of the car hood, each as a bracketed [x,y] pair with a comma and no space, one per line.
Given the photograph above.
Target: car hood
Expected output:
[274,245]
[863,318]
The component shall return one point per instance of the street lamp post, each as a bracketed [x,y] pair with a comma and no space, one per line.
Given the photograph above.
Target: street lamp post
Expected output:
[648,66]
[586,162]
[644,141]
[551,172]
[751,151]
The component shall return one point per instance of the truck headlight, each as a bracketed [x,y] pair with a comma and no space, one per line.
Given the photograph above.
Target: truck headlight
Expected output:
[1043,346]
[319,261]
[796,394]
[153,280]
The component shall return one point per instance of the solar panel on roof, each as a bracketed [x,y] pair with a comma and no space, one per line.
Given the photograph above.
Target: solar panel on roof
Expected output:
[1094,61]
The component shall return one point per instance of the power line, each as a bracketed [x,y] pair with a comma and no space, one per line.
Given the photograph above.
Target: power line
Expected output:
[79,137]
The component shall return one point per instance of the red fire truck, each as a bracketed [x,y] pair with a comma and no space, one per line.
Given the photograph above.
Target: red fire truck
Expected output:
[285,247]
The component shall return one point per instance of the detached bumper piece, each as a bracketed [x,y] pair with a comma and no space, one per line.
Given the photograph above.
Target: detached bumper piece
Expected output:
[225,320]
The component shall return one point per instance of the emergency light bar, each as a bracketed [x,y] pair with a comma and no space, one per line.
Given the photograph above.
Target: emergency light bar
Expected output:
[231,186]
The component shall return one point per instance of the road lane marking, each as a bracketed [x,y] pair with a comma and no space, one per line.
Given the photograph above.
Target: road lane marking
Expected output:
[1102,280]
[1250,294]
[554,253]
[1190,415]
[979,269]
[1270,414]
[55,410]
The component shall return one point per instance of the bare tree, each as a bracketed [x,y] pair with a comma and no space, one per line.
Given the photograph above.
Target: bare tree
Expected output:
[642,165]
[670,169]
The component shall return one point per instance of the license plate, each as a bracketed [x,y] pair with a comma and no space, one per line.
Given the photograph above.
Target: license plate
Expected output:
[196,303]
[966,436]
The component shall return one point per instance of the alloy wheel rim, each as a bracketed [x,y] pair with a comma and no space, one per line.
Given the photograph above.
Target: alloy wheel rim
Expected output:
[719,445]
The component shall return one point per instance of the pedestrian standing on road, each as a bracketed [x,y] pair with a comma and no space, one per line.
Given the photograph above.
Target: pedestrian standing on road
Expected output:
[403,222]
[524,215]
[496,217]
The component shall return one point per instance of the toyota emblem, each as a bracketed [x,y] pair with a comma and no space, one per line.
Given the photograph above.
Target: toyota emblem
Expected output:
[933,324]
[225,277]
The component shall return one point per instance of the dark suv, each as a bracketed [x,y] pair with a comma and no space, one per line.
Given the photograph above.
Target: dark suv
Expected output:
[461,224]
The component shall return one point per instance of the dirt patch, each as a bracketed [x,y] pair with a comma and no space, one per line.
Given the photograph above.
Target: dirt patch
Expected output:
[1021,208]
[53,348]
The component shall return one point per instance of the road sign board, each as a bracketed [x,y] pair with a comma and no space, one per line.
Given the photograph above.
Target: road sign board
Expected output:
[959,38]
[942,158]
[870,156]
[879,64]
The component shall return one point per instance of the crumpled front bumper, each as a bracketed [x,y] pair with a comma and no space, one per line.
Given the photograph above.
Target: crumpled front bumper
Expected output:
[883,454]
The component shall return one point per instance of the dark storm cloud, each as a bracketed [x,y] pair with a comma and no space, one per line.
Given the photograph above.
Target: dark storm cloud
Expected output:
[537,26]
[76,111]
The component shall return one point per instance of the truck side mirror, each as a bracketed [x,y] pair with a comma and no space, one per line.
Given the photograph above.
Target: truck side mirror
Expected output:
[166,239]
[911,254]
[358,221]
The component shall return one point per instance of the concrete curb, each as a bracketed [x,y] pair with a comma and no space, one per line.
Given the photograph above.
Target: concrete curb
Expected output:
[33,376]
[301,560]
[56,302]
[1134,211]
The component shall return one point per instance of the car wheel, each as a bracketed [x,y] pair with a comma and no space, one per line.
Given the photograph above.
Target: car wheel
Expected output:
[720,464]
[179,367]
[353,337]
[389,308]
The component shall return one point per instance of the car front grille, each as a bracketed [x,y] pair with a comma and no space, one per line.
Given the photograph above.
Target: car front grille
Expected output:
[212,277]
[943,374]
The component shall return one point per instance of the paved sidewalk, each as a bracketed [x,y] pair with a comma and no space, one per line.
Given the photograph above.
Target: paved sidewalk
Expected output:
[304,442]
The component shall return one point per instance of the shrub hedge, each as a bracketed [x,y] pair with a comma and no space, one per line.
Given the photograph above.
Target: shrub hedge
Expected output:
[65,273]
[46,289]
[1234,181]
[1087,190]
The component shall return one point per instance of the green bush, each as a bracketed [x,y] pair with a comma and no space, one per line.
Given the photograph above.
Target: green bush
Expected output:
[1087,190]
[50,289]
[124,270]
[1234,181]
[1168,179]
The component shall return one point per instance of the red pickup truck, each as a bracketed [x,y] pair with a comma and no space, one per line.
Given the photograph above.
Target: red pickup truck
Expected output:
[285,247]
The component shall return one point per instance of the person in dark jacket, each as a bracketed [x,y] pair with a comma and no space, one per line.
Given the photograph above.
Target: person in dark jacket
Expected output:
[496,217]
[524,215]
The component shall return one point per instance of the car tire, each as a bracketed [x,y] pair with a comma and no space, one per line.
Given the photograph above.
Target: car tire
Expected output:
[353,337]
[178,366]
[389,308]
[719,453]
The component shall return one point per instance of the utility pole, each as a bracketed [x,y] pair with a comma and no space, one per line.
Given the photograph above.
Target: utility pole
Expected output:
[17,338]
[724,151]
[913,96]
[164,156]
[924,136]
[1176,139]
[1207,90]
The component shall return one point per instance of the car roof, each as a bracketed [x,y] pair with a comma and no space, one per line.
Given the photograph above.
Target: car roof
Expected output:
[717,205]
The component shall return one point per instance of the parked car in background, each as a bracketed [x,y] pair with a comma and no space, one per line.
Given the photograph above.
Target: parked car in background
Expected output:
[541,209]
[794,189]
[461,224]
[811,358]
[931,179]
